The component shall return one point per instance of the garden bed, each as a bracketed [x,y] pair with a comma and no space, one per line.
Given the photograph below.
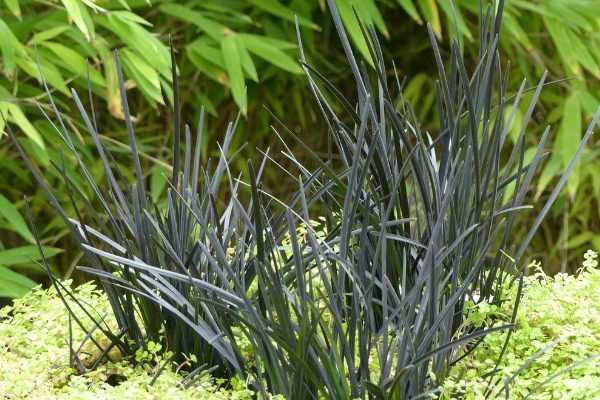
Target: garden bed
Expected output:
[554,349]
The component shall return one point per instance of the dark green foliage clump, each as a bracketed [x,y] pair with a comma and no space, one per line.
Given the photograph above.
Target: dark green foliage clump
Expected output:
[369,305]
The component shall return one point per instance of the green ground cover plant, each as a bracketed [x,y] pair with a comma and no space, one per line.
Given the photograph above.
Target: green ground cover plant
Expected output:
[416,231]
[555,351]
[559,35]
[557,337]
[35,357]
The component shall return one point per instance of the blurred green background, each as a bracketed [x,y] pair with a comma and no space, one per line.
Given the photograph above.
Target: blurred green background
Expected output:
[242,55]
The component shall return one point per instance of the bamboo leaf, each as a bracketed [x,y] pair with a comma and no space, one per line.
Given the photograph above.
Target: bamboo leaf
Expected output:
[512,26]
[143,74]
[14,218]
[551,170]
[137,38]
[370,9]
[455,18]
[265,50]
[158,182]
[14,7]
[113,96]
[48,34]
[14,285]
[246,60]
[231,58]
[42,70]
[276,8]
[7,46]
[589,102]
[582,53]
[26,254]
[217,73]
[74,62]
[560,36]
[432,15]
[19,118]
[568,137]
[214,29]
[514,129]
[79,14]
[347,13]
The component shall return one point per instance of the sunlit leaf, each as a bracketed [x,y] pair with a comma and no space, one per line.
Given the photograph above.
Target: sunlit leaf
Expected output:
[582,53]
[80,15]
[271,54]
[569,136]
[33,66]
[14,7]
[347,13]
[369,7]
[7,45]
[209,50]
[158,182]
[410,9]
[208,68]
[560,36]
[18,117]
[514,129]
[432,15]
[233,67]
[589,102]
[143,74]
[137,37]
[454,18]
[74,62]
[49,34]
[246,60]
[551,171]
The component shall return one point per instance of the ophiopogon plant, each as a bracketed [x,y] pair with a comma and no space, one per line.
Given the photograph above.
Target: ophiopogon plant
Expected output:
[369,304]
[125,235]
[424,219]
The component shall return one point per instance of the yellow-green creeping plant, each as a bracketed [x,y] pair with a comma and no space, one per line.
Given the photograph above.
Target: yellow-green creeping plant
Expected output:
[34,359]
[556,342]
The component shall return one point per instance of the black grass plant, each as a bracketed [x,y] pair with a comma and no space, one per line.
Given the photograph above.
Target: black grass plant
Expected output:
[369,301]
